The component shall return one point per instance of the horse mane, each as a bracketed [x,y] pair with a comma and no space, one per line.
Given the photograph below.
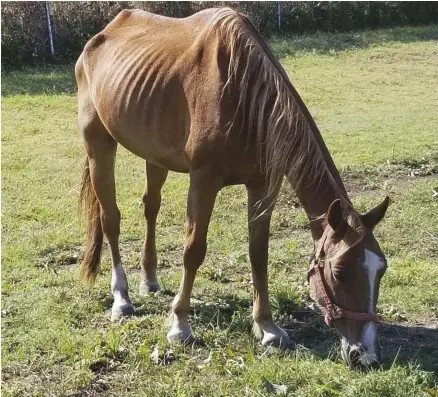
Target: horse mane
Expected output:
[277,119]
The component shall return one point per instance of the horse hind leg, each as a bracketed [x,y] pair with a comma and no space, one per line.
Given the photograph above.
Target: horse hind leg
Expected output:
[101,150]
[156,176]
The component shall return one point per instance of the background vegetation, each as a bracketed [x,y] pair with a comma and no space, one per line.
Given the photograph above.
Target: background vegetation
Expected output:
[374,96]
[25,38]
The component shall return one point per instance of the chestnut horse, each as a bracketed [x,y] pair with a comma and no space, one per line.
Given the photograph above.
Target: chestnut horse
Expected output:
[205,95]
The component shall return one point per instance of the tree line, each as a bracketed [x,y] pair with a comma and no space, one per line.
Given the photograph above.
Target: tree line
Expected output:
[25,38]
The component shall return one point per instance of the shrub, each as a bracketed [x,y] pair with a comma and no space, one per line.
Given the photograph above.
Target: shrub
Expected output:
[25,39]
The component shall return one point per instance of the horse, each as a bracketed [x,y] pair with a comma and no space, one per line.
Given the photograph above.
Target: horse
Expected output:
[205,95]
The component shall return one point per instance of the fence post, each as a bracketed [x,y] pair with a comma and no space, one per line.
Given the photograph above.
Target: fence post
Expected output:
[279,15]
[49,25]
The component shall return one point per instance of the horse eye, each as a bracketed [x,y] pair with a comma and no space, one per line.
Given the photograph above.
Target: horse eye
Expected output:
[339,274]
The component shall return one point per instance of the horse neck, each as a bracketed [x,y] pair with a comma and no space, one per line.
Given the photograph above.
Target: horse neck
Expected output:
[317,192]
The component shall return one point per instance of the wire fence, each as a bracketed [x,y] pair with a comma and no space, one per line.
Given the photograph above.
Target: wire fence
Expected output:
[40,31]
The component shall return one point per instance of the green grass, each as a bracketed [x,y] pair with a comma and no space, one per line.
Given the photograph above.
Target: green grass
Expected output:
[375,103]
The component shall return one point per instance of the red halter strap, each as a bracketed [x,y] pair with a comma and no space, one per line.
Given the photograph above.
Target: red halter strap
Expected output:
[331,310]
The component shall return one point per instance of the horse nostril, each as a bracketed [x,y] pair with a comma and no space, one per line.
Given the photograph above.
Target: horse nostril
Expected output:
[355,354]
[374,364]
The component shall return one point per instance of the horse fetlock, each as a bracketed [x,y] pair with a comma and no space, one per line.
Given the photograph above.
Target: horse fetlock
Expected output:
[122,306]
[180,331]
[147,287]
[273,335]
[125,309]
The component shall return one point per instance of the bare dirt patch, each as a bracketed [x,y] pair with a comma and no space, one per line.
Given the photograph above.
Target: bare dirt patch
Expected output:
[399,174]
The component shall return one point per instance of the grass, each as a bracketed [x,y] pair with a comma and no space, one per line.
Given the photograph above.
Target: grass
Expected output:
[377,110]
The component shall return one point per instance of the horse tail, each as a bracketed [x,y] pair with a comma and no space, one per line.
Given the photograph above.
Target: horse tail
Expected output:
[89,207]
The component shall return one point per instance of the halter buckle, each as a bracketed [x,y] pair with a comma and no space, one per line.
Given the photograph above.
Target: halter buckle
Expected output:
[335,312]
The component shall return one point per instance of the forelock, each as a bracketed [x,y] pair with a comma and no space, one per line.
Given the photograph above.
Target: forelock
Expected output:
[353,236]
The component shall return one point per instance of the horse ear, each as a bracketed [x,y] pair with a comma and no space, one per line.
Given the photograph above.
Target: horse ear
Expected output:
[373,217]
[335,218]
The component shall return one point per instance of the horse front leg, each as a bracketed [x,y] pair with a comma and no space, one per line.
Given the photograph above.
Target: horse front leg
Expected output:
[259,216]
[202,194]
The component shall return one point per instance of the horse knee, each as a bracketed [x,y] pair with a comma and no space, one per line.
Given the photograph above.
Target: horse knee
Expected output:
[194,254]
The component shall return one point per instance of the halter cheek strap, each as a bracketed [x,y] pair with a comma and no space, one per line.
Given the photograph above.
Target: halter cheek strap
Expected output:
[332,311]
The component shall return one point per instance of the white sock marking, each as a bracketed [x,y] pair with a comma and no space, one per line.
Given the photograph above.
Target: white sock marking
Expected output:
[119,286]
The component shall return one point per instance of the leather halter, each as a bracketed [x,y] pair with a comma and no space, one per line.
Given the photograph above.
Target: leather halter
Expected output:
[332,311]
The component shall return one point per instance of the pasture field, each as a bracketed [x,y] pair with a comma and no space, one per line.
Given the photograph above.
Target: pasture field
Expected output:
[374,96]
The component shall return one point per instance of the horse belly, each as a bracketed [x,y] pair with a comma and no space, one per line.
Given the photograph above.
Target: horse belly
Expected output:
[161,143]
[153,124]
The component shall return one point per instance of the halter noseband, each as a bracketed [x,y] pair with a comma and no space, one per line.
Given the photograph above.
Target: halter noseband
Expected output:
[331,310]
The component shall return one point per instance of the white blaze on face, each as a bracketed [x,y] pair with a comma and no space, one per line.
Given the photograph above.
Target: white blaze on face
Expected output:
[373,263]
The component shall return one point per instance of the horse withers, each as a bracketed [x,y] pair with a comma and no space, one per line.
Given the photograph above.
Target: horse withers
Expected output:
[205,95]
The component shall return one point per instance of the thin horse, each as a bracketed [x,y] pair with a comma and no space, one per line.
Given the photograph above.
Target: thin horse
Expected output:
[204,95]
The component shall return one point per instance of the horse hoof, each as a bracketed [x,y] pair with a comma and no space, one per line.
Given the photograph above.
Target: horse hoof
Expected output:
[125,310]
[180,335]
[282,342]
[148,287]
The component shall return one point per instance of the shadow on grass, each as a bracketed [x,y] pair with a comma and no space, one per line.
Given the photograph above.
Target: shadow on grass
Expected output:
[53,80]
[328,43]
[402,344]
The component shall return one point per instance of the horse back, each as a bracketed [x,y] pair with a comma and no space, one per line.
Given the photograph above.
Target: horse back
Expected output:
[157,84]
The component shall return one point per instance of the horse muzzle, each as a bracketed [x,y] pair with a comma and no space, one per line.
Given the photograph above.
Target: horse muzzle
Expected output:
[358,355]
